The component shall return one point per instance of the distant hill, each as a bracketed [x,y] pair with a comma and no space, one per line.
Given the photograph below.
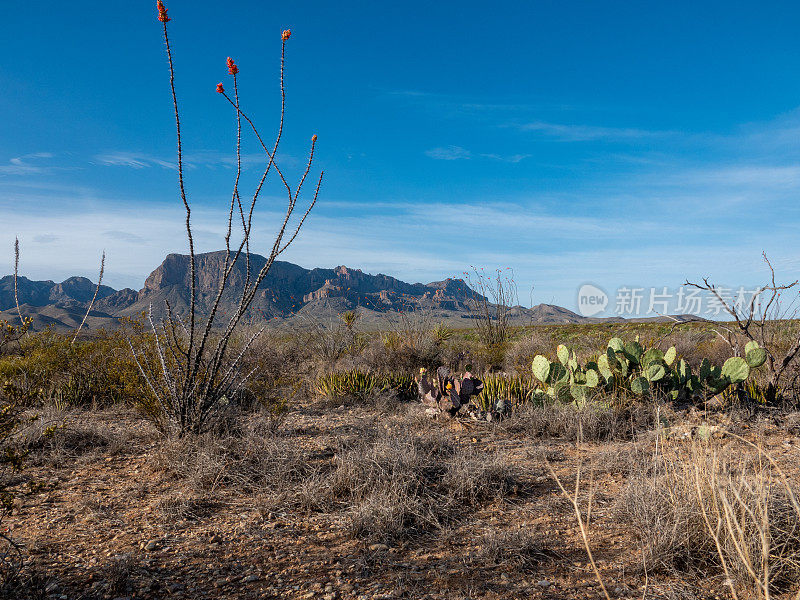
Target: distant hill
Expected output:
[288,293]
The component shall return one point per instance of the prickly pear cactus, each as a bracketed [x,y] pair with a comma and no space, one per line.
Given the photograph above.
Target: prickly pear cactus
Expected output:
[632,368]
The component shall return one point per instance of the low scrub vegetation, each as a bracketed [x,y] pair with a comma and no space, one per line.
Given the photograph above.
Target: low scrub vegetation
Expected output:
[700,508]
[341,441]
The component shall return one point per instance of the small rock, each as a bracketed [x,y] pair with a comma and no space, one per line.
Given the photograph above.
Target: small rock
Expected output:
[151,545]
[379,547]
[543,583]
[250,579]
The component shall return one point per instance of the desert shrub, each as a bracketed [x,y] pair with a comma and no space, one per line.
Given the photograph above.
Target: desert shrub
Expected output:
[490,306]
[11,335]
[94,371]
[594,421]
[400,483]
[329,342]
[13,424]
[60,436]
[10,463]
[277,374]
[521,352]
[704,506]
[522,548]
[251,458]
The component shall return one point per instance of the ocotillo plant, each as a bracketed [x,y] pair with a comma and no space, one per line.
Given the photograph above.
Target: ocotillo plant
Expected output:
[192,366]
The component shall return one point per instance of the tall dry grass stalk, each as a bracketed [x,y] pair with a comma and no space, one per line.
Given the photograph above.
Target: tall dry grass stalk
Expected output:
[706,505]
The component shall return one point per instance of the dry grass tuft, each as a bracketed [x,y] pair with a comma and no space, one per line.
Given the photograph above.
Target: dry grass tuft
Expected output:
[252,458]
[519,548]
[403,483]
[592,422]
[705,506]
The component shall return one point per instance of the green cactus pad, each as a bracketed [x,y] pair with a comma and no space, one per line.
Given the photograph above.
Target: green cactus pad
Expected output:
[616,344]
[705,369]
[670,355]
[755,357]
[633,352]
[558,373]
[653,355]
[751,345]
[655,372]
[541,367]
[639,386]
[622,364]
[603,367]
[563,354]
[592,378]
[735,369]
[578,392]
[561,391]
[717,384]
[683,370]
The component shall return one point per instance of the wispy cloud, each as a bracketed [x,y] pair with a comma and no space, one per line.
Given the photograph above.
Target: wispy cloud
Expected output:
[27,164]
[132,160]
[45,238]
[511,158]
[449,153]
[459,153]
[550,247]
[193,160]
[585,133]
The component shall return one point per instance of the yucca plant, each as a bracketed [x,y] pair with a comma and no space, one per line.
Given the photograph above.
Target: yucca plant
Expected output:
[346,384]
[402,383]
[505,392]
[362,384]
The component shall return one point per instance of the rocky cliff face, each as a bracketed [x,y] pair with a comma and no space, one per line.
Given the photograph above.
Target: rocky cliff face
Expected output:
[287,289]
[72,291]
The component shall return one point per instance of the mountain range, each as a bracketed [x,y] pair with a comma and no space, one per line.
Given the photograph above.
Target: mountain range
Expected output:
[288,293]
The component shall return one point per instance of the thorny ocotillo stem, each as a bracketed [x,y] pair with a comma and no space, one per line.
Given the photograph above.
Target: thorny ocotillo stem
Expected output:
[16,275]
[162,16]
[91,303]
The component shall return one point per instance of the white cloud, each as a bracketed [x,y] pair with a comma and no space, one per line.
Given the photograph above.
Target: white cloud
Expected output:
[191,160]
[449,153]
[25,165]
[459,153]
[584,133]
[133,160]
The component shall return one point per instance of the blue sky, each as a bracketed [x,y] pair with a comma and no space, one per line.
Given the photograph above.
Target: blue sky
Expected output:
[622,144]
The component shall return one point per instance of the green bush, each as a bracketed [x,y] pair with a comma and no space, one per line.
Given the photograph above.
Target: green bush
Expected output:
[47,367]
